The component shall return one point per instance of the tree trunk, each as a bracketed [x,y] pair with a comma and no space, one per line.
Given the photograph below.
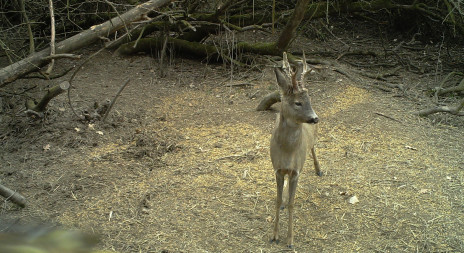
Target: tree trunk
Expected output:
[289,31]
[35,61]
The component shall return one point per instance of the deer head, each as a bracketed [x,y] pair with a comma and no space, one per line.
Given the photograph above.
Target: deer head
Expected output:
[296,104]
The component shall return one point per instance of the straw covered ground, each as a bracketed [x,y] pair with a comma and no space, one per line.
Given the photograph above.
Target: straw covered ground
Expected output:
[183,164]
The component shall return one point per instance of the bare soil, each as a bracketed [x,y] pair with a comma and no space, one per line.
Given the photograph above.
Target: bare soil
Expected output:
[182,164]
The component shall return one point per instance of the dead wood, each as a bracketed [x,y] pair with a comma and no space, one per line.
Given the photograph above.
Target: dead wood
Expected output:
[35,61]
[455,110]
[43,76]
[151,45]
[72,78]
[13,196]
[201,25]
[457,88]
[268,101]
[186,48]
[52,38]
[114,99]
[358,52]
[38,108]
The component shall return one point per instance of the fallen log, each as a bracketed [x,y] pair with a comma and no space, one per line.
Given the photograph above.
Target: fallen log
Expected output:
[35,61]
[268,101]
[13,196]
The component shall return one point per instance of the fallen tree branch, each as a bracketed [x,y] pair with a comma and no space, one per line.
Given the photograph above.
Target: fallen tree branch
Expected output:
[72,78]
[268,101]
[114,99]
[357,52]
[35,61]
[38,108]
[379,76]
[57,56]
[40,75]
[13,196]
[456,110]
[456,88]
[186,48]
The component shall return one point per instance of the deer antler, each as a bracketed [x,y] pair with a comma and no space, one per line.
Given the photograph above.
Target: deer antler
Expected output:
[288,71]
[286,66]
[301,71]
[297,77]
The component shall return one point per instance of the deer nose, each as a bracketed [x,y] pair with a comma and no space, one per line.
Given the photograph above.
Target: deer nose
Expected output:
[313,120]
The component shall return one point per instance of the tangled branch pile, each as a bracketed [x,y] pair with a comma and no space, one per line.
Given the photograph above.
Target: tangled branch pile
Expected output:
[26,25]
[186,26]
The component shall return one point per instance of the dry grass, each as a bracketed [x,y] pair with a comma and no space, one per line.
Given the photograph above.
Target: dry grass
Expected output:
[185,167]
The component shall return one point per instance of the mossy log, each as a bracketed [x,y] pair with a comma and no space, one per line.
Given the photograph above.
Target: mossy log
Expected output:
[194,49]
[151,45]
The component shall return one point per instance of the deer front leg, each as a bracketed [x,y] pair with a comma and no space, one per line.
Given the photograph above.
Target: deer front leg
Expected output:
[292,183]
[280,186]
[316,162]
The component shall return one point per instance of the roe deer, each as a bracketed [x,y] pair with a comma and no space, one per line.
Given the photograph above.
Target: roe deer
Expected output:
[294,134]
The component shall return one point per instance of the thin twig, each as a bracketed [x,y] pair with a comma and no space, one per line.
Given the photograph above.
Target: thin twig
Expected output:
[163,55]
[52,39]
[29,29]
[72,77]
[114,99]
[122,20]
[388,117]
[41,75]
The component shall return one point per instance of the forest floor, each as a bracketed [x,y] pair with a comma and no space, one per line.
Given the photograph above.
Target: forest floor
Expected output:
[182,163]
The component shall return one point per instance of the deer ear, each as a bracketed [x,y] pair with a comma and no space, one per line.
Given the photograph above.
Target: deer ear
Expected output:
[283,81]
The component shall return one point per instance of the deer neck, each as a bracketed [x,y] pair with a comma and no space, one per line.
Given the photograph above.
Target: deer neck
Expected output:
[289,133]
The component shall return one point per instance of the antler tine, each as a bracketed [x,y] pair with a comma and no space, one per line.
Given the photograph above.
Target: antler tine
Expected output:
[286,65]
[289,72]
[301,71]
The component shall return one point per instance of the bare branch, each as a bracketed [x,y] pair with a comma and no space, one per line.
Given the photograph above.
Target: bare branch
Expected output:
[114,99]
[52,39]
[456,110]
[29,29]
[57,56]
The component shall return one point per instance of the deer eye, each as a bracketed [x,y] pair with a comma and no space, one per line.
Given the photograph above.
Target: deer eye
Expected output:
[298,103]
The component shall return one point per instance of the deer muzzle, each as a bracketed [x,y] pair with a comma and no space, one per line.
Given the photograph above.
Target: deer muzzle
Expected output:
[313,120]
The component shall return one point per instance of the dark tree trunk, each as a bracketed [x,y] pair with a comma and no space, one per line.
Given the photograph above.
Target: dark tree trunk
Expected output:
[289,31]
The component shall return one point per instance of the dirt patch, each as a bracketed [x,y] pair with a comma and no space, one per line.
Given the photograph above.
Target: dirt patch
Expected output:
[183,164]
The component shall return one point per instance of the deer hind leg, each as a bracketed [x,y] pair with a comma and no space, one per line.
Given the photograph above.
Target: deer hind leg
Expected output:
[280,186]
[285,194]
[316,162]
[292,182]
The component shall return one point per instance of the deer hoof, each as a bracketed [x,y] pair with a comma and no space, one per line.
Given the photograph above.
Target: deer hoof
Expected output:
[319,173]
[275,240]
[290,246]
